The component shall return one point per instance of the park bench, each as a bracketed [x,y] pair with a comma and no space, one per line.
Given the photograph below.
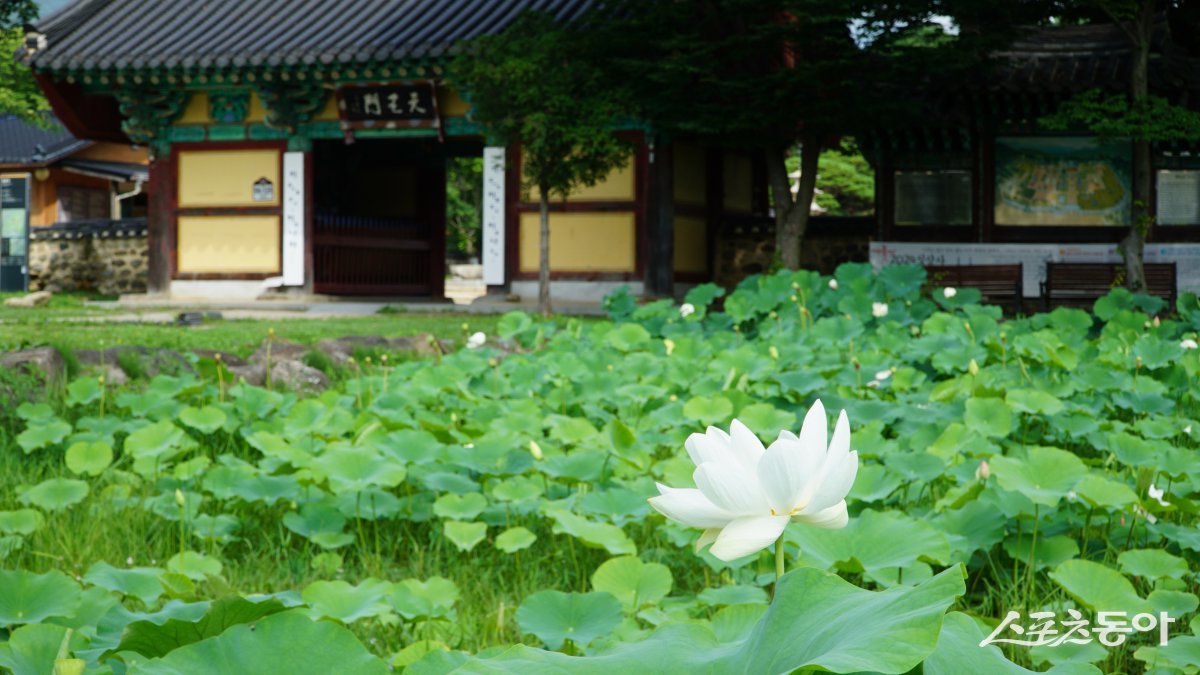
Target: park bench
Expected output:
[1081,284]
[1000,284]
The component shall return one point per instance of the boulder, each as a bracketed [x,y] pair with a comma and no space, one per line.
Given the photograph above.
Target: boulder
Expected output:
[152,361]
[281,350]
[298,377]
[39,361]
[34,299]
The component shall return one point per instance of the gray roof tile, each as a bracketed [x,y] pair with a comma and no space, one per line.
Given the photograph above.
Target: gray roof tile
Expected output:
[145,34]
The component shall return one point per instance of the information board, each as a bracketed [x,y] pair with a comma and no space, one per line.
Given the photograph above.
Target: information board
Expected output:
[14,234]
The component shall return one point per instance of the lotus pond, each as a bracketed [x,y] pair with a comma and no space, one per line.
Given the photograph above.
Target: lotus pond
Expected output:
[486,511]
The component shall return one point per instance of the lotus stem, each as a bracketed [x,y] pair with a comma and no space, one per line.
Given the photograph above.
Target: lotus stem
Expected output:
[779,563]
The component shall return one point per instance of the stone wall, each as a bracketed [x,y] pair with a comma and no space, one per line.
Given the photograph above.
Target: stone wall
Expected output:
[107,256]
[747,248]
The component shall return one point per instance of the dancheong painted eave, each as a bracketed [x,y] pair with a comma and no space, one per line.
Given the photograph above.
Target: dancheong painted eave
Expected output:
[144,35]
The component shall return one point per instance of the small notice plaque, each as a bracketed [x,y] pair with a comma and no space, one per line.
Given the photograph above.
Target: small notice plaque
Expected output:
[264,190]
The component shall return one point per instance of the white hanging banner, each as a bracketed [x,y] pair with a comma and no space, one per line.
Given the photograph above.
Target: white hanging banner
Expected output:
[493,216]
[293,218]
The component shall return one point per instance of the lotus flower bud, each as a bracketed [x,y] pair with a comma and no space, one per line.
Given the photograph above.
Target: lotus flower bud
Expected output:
[983,471]
[669,344]
[535,450]
[179,499]
[774,352]
[973,367]
[833,284]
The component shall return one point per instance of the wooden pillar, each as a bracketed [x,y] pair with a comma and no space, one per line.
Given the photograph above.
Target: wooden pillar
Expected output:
[660,221]
[160,222]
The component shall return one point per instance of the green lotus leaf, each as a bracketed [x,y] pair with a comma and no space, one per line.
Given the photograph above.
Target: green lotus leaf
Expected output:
[989,417]
[90,458]
[459,506]
[733,595]
[1100,588]
[876,541]
[515,539]
[958,652]
[1033,402]
[633,582]
[464,536]
[766,420]
[195,566]
[43,434]
[31,598]
[21,521]
[1104,492]
[596,535]
[555,617]
[817,621]
[1152,564]
[1045,551]
[55,494]
[154,640]
[142,583]
[354,469]
[33,649]
[206,420]
[734,623]
[83,391]
[287,642]
[1044,475]
[433,598]
[346,603]
[710,410]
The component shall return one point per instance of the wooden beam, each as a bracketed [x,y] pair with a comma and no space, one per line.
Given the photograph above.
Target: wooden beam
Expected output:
[660,221]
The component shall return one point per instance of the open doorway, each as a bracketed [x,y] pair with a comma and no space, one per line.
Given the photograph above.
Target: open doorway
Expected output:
[379,217]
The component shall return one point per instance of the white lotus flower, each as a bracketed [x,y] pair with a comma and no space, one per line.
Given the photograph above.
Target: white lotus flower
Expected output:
[1188,430]
[1188,344]
[1157,495]
[747,494]
[879,309]
[687,309]
[950,292]
[833,284]
[883,374]
[476,341]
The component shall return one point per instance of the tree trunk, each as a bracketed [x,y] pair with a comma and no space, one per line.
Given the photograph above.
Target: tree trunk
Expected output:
[1134,243]
[544,253]
[791,214]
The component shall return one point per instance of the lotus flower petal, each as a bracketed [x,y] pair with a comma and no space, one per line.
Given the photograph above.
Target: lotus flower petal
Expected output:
[744,536]
[833,518]
[730,487]
[690,507]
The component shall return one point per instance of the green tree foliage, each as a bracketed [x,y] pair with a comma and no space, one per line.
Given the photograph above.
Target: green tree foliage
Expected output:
[1132,112]
[19,92]
[845,181]
[464,205]
[776,75]
[541,84]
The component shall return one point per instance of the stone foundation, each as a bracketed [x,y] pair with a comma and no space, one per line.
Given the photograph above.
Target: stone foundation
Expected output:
[745,249]
[107,257]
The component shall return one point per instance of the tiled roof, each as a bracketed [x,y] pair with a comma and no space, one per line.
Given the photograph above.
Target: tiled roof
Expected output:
[194,35]
[24,143]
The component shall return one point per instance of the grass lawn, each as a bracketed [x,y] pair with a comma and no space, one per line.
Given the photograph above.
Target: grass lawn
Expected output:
[69,324]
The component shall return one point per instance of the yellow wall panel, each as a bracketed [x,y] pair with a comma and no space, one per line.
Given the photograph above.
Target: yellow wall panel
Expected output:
[618,186]
[196,110]
[581,242]
[328,113]
[739,183]
[228,244]
[450,104]
[256,112]
[690,175]
[226,177]
[691,245]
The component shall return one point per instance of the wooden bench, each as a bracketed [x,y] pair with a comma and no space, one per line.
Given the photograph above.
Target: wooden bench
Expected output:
[1082,284]
[1000,284]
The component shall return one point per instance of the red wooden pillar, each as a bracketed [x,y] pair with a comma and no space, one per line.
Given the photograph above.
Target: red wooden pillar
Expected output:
[160,223]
